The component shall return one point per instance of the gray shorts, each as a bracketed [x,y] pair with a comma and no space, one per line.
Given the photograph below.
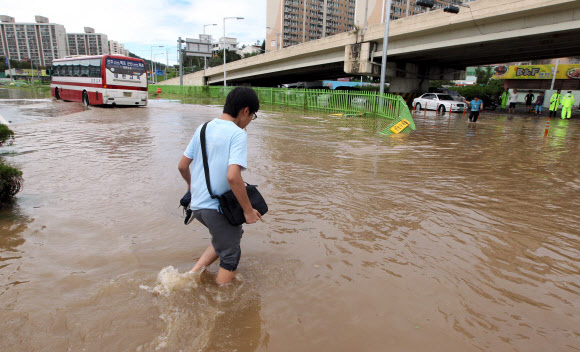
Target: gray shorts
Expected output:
[225,237]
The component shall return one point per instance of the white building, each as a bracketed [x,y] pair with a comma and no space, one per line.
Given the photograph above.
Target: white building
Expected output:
[40,42]
[229,43]
[250,49]
[88,43]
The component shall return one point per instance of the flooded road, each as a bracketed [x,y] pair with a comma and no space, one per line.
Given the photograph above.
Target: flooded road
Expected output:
[453,238]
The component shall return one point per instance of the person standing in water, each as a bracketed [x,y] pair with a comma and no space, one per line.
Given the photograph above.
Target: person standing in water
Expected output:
[476,107]
[513,102]
[227,154]
[555,101]
[505,97]
[529,99]
[539,103]
[567,104]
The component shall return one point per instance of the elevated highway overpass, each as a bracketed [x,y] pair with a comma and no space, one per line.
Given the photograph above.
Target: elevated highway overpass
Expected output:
[432,45]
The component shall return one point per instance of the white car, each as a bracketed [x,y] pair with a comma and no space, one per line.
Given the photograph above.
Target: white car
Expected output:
[439,102]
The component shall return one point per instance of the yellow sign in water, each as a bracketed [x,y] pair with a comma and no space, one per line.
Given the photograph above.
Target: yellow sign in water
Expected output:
[399,127]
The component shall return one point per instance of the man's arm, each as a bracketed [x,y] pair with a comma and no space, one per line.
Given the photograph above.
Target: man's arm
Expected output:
[183,168]
[238,186]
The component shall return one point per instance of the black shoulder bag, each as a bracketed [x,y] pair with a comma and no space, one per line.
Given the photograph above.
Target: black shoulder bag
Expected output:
[229,205]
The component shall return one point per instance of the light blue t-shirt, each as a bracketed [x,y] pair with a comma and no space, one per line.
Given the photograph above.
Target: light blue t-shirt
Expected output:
[475,105]
[226,144]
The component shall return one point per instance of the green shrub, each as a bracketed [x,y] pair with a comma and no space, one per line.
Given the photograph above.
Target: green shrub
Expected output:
[490,92]
[10,178]
[6,134]
[10,182]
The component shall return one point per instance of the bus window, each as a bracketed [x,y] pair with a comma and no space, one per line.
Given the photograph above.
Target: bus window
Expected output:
[69,69]
[95,68]
[84,68]
[76,68]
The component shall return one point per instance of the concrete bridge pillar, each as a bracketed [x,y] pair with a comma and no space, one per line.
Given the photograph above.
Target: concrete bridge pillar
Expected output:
[408,85]
[412,78]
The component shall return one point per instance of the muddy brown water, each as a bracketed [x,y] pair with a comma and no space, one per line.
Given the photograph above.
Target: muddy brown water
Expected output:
[452,238]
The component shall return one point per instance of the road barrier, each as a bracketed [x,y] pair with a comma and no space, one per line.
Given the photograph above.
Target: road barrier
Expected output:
[357,103]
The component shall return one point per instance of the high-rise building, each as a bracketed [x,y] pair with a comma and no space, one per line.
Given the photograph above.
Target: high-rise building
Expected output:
[375,9]
[87,43]
[290,22]
[117,48]
[40,42]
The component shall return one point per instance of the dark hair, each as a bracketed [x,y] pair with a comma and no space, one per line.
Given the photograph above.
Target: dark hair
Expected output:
[239,98]
[476,96]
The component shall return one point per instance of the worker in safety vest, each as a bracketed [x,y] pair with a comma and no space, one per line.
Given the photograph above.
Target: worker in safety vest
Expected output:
[505,97]
[567,104]
[555,101]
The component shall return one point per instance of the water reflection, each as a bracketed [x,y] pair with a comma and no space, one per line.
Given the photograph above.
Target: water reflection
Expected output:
[13,224]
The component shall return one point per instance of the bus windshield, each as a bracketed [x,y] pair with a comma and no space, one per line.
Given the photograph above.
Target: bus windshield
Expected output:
[125,67]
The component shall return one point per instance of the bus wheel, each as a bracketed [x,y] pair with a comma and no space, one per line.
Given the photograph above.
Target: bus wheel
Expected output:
[86,99]
[57,93]
[441,109]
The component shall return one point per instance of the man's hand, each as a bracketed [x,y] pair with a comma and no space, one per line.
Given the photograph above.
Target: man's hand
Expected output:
[183,168]
[252,217]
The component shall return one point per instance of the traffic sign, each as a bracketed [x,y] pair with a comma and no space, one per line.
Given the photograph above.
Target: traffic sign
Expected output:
[6,61]
[159,72]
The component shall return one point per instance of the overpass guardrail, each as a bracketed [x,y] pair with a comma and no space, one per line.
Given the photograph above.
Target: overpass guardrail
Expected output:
[343,103]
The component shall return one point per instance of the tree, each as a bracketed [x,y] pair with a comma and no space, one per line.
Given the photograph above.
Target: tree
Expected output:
[263,47]
[218,58]
[10,177]
[483,74]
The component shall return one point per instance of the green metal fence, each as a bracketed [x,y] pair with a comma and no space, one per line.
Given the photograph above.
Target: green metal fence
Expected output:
[345,103]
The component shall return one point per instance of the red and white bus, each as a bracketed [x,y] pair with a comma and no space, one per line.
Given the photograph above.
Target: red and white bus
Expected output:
[100,80]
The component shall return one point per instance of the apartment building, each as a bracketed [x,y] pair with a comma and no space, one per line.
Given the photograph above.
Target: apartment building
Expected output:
[40,42]
[375,9]
[117,48]
[290,22]
[87,43]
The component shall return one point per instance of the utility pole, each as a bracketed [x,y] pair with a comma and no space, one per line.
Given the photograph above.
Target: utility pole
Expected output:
[180,55]
[385,46]
[554,74]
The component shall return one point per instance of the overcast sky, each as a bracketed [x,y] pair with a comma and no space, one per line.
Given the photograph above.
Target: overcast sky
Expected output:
[139,24]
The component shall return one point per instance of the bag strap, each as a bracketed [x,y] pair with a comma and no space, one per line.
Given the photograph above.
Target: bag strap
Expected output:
[205,163]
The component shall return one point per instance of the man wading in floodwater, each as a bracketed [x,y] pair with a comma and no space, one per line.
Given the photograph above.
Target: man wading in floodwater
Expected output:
[227,154]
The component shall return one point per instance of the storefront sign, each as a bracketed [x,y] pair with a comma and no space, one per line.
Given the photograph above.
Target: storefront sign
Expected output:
[569,71]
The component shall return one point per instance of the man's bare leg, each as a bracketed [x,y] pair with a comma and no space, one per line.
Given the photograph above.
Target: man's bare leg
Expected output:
[208,257]
[225,276]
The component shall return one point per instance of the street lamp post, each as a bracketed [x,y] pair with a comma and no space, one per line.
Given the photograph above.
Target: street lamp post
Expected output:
[205,58]
[151,68]
[224,43]
[155,58]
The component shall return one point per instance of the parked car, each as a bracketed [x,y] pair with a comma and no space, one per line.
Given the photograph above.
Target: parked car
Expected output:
[439,102]
[453,93]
